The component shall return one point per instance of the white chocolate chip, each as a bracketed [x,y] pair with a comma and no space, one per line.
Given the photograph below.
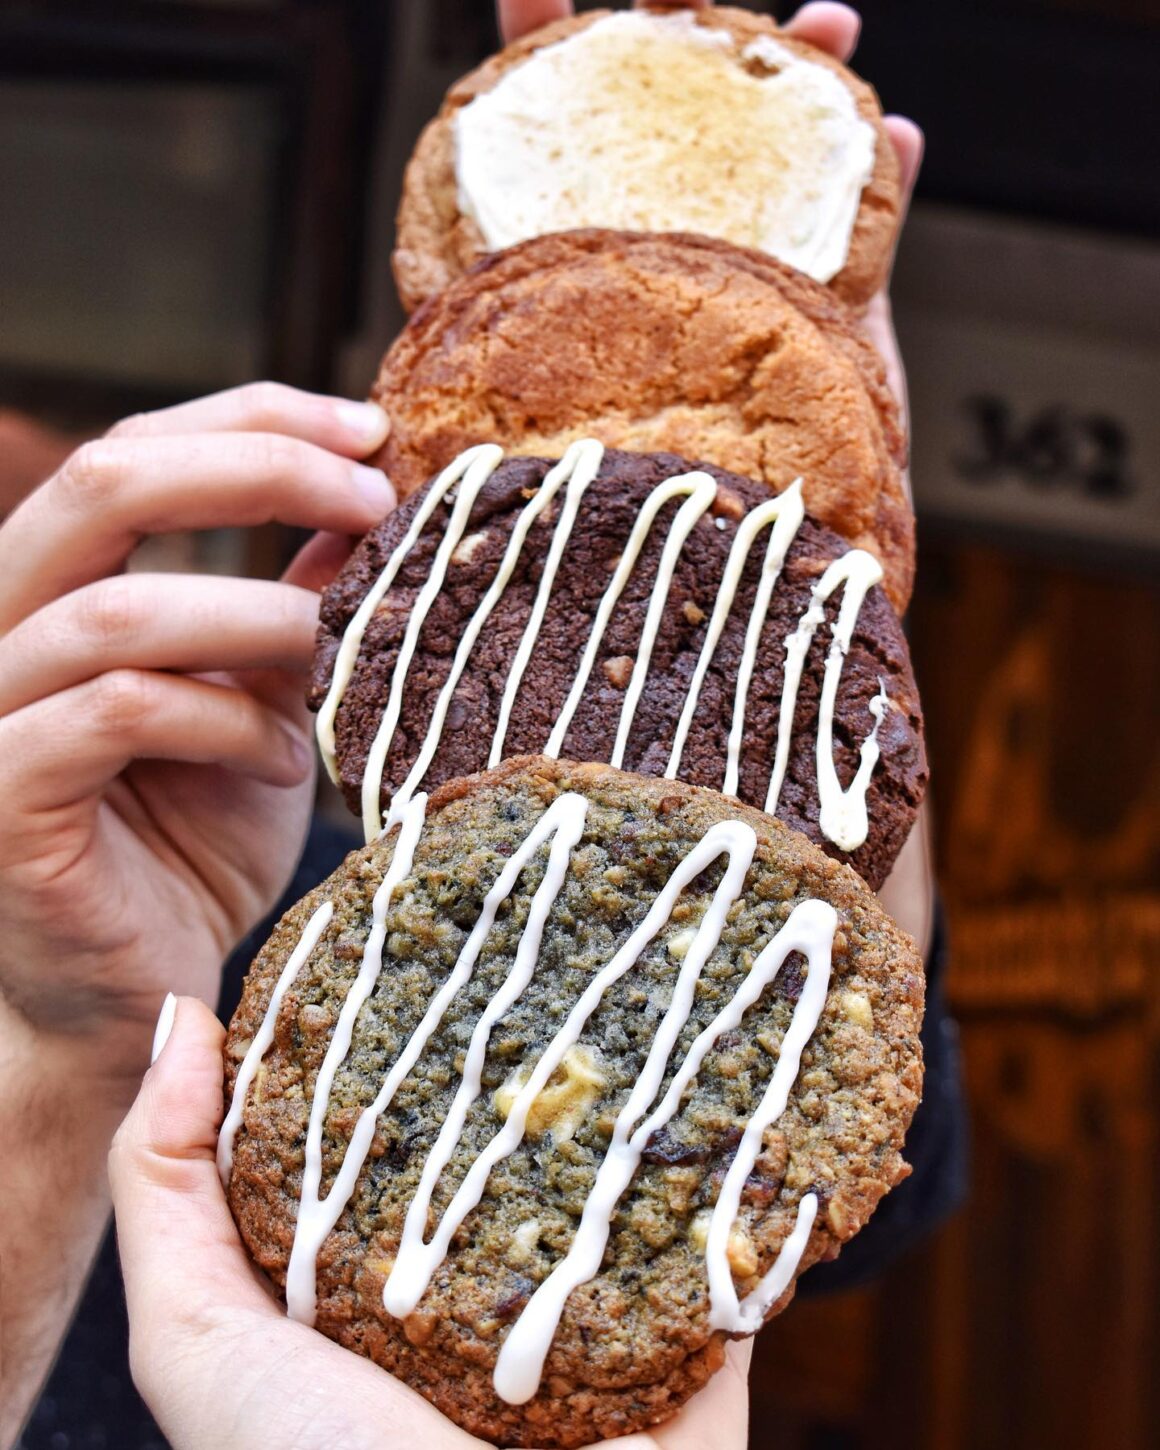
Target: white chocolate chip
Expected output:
[699,1229]
[525,1240]
[618,670]
[693,613]
[741,1253]
[856,1006]
[467,547]
[679,944]
[565,1099]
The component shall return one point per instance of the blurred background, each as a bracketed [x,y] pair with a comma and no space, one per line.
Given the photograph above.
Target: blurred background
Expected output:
[198,194]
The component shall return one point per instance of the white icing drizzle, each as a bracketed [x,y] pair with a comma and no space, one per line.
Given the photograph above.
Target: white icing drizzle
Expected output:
[749,1315]
[257,1049]
[701,490]
[584,459]
[416,1261]
[720,838]
[578,466]
[809,929]
[842,815]
[785,512]
[316,1217]
[314,1221]
[687,515]
[816,940]
[849,820]
[347,656]
[484,462]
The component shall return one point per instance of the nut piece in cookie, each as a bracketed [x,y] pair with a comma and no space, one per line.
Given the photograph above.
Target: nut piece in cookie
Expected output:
[712,122]
[594,1095]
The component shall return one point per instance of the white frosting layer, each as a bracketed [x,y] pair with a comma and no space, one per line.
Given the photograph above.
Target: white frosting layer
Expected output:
[654,123]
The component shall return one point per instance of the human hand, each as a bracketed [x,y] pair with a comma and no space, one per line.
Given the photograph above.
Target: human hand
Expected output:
[155,760]
[214,1355]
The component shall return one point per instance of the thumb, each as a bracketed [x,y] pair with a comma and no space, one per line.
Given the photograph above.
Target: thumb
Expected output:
[214,1357]
[717,1415]
[318,561]
[181,1255]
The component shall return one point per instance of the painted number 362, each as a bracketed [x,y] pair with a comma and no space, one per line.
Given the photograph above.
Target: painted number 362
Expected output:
[1052,447]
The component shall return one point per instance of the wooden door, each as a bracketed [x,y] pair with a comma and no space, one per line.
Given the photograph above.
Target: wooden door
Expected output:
[1033,1319]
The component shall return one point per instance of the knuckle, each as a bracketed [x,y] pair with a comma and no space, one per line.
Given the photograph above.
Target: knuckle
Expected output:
[122,701]
[263,404]
[110,616]
[278,457]
[92,474]
[137,425]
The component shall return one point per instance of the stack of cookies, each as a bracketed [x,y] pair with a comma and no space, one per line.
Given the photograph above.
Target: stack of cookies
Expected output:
[604,1037]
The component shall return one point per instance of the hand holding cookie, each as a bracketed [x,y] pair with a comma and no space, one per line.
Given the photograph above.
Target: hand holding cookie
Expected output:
[214,1353]
[155,768]
[156,779]
[554,1089]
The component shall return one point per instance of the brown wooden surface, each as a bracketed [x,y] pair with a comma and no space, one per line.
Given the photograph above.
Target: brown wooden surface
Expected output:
[1033,1320]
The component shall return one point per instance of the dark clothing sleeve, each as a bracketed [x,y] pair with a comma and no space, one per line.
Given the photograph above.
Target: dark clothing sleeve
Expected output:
[89,1402]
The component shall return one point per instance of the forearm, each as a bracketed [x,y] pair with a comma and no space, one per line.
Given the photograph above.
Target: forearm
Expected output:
[58,1112]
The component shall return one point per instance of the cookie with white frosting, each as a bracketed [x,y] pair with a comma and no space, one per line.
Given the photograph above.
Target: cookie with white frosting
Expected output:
[638,609]
[711,121]
[561,1083]
[671,342]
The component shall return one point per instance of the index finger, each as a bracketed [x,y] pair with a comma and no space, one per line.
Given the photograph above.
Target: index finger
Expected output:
[518,17]
[832,27]
[87,519]
[340,424]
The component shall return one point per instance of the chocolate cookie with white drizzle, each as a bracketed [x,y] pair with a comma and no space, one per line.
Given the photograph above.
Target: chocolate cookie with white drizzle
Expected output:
[639,609]
[562,1082]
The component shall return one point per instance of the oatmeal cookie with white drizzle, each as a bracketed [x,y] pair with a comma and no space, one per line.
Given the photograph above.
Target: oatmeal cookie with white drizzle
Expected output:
[624,1058]
[631,608]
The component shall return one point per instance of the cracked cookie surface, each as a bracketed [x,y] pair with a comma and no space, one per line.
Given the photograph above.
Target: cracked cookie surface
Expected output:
[657,342]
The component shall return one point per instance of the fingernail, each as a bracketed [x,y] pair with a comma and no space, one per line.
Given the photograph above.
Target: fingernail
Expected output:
[375,487]
[164,1026]
[367,421]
